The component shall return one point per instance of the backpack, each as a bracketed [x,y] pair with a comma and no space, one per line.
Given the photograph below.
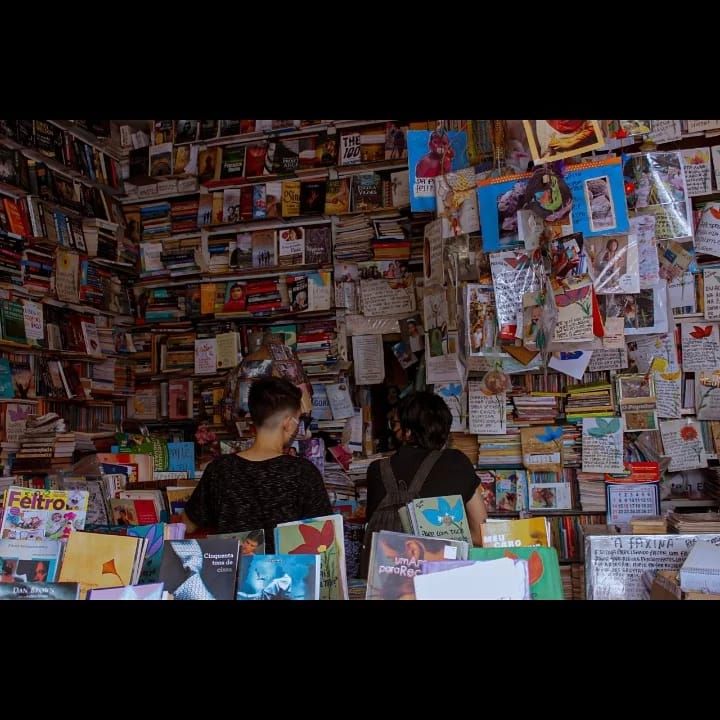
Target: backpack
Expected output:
[397,494]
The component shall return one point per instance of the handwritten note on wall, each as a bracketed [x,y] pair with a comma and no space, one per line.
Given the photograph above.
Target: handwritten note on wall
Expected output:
[383,297]
[651,347]
[700,346]
[368,359]
[616,563]
[682,443]
[711,293]
[602,445]
[433,268]
[668,394]
[664,131]
[486,413]
[697,169]
[608,359]
[707,235]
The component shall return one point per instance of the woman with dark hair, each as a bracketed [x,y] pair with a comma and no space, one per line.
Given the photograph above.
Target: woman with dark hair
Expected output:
[425,422]
[263,486]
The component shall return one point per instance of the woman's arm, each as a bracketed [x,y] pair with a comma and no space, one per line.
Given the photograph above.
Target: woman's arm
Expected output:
[476,515]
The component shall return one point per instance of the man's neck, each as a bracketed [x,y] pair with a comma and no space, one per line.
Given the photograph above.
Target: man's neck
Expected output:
[267,445]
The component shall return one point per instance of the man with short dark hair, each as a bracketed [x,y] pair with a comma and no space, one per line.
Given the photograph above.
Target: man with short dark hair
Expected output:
[263,486]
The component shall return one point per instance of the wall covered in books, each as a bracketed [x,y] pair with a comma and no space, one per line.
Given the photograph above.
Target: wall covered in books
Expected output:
[555,282]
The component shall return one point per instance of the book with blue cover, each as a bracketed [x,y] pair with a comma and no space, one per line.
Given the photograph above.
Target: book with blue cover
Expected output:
[279,577]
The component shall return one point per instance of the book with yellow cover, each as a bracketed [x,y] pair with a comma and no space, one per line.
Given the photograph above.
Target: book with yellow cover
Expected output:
[516,533]
[95,560]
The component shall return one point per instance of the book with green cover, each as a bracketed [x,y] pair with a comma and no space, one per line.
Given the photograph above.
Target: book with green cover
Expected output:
[543,567]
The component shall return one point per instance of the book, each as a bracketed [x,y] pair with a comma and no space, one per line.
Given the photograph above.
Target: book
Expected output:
[153,591]
[516,533]
[279,577]
[396,558]
[204,569]
[40,591]
[34,561]
[30,514]
[439,517]
[94,560]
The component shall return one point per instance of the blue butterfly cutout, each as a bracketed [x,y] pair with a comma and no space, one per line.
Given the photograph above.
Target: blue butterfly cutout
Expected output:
[571,355]
[437,516]
[605,427]
[550,433]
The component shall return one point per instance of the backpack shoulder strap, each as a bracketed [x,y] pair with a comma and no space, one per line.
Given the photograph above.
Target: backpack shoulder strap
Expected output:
[423,471]
[392,487]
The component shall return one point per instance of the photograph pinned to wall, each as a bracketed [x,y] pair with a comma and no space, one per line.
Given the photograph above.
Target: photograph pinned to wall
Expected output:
[567,257]
[643,313]
[600,201]
[404,355]
[674,258]
[530,228]
[431,154]
[411,331]
[635,127]
[457,203]
[551,140]
[435,309]
[480,318]
[517,148]
[499,200]
[614,263]
[532,313]
[639,420]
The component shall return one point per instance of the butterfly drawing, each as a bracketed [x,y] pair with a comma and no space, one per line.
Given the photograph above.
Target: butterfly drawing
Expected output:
[444,514]
[550,434]
[605,427]
[571,355]
[701,332]
[569,297]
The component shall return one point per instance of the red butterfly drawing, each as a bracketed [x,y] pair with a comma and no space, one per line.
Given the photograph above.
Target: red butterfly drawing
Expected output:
[701,332]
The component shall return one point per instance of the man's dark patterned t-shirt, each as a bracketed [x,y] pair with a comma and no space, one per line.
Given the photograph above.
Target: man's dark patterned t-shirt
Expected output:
[235,495]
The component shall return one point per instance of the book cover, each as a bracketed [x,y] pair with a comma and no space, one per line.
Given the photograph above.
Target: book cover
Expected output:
[204,569]
[291,246]
[431,154]
[153,534]
[34,561]
[153,591]
[264,249]
[233,162]
[396,558]
[39,514]
[320,536]
[279,577]
[94,560]
[543,567]
[252,542]
[40,591]
[441,517]
[312,198]
[516,533]
[318,242]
